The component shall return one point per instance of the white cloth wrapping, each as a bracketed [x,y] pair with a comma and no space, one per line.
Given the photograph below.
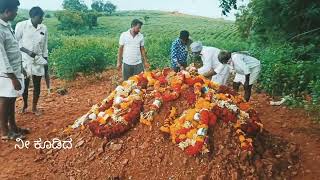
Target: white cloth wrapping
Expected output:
[7,89]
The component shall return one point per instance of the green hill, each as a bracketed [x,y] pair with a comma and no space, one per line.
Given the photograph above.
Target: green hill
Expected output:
[159,30]
[164,25]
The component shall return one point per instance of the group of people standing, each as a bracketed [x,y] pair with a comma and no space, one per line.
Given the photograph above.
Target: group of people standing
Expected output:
[217,64]
[23,56]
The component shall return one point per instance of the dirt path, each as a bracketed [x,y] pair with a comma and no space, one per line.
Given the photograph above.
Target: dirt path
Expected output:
[60,111]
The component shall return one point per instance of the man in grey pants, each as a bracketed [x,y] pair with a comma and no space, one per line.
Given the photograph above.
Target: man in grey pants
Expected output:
[132,57]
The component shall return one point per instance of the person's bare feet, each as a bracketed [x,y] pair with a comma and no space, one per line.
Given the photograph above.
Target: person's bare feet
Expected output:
[37,112]
[23,110]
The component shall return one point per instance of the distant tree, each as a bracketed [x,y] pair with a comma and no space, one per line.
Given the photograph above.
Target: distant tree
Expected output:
[102,6]
[146,18]
[48,16]
[109,7]
[74,5]
[70,20]
[91,18]
[98,5]
[228,5]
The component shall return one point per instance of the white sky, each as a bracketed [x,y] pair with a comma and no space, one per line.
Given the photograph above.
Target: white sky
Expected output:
[208,8]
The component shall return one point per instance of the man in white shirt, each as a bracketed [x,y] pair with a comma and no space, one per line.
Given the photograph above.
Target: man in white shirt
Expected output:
[11,77]
[33,41]
[132,57]
[211,67]
[247,70]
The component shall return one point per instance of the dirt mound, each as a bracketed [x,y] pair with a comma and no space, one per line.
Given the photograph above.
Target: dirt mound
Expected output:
[144,152]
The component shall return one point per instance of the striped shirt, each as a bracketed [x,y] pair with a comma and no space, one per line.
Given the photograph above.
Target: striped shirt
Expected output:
[10,55]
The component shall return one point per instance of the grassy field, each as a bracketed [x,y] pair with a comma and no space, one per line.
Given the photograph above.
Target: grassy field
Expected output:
[159,31]
[92,51]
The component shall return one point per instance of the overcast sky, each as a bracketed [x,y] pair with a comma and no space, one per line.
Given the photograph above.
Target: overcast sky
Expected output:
[208,8]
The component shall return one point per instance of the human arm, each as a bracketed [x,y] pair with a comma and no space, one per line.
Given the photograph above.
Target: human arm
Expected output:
[45,52]
[144,57]
[120,56]
[7,68]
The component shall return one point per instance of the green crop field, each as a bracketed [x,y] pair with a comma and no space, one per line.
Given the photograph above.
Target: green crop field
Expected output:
[160,30]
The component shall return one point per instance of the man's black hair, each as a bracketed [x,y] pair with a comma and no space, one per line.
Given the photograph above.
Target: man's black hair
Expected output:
[136,22]
[36,11]
[184,35]
[9,5]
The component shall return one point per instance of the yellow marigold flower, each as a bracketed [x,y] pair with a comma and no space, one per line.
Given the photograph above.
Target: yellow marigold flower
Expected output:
[134,78]
[221,97]
[182,136]
[125,105]
[203,104]
[191,133]
[190,114]
[200,139]
[102,120]
[242,138]
[109,111]
[237,125]
[202,126]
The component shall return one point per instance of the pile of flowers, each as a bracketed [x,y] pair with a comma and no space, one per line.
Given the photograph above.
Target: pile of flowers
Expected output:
[115,114]
[143,95]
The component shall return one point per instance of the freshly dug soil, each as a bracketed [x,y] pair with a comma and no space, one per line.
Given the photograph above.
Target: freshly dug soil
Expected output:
[289,148]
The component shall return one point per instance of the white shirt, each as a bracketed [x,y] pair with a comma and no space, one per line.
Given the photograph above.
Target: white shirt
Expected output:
[10,56]
[209,57]
[244,64]
[210,61]
[35,40]
[131,47]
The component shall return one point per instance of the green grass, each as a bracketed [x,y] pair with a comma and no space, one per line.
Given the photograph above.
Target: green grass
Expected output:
[161,29]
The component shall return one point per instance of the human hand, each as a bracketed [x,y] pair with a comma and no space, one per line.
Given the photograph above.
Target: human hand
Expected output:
[16,84]
[32,54]
[146,65]
[119,66]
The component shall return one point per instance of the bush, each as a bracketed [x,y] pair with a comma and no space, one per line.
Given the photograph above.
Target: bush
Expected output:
[82,55]
[282,73]
[48,16]
[54,42]
[19,18]
[315,91]
[70,20]
[75,22]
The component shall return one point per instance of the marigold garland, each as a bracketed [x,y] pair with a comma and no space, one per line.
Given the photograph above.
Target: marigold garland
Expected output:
[209,104]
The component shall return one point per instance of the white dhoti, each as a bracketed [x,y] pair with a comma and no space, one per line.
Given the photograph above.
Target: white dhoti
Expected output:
[254,75]
[7,89]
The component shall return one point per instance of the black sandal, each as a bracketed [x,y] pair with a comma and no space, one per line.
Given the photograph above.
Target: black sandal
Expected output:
[24,131]
[12,136]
